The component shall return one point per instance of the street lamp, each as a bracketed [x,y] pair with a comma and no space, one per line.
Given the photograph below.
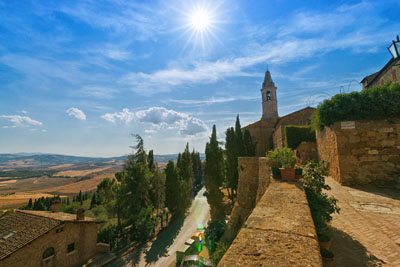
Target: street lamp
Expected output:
[394,48]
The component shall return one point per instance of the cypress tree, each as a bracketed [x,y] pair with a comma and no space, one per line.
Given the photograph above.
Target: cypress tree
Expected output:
[214,174]
[30,204]
[171,187]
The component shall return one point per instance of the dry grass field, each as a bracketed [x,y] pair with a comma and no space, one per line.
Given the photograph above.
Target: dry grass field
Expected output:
[62,166]
[19,199]
[78,173]
[74,188]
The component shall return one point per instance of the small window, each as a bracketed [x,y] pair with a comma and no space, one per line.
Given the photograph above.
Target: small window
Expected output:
[61,229]
[48,253]
[71,247]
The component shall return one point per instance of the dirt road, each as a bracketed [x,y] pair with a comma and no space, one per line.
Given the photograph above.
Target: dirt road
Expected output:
[161,250]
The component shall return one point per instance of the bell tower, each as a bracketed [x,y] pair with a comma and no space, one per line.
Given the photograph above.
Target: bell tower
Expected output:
[269,100]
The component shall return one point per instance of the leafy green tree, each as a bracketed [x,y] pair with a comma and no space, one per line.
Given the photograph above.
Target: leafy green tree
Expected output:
[157,192]
[249,144]
[214,176]
[104,191]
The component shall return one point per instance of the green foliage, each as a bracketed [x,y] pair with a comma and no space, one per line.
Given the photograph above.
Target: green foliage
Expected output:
[382,102]
[219,252]
[104,191]
[214,232]
[197,171]
[294,135]
[108,235]
[236,145]
[273,159]
[287,158]
[321,205]
[27,173]
[171,187]
[214,174]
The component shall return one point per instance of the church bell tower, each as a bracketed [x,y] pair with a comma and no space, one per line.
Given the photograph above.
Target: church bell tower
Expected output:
[269,100]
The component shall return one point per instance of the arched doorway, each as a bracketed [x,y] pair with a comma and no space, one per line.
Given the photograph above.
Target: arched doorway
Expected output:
[48,257]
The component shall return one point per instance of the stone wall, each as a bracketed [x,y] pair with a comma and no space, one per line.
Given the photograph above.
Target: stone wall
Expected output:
[261,132]
[306,151]
[254,178]
[300,117]
[367,153]
[84,235]
[391,74]
[279,232]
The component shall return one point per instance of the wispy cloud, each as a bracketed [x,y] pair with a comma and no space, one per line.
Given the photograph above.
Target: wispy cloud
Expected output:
[213,100]
[305,34]
[19,120]
[77,113]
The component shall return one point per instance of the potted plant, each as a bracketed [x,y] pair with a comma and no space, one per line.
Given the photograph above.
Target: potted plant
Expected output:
[327,257]
[274,162]
[324,237]
[288,161]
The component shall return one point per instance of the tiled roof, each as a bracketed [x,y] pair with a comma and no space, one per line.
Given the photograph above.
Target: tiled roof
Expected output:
[19,228]
[60,216]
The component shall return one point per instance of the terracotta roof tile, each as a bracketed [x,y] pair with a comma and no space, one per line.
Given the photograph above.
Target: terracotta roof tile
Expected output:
[19,228]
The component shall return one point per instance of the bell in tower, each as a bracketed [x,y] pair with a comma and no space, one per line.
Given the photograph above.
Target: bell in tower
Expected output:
[269,99]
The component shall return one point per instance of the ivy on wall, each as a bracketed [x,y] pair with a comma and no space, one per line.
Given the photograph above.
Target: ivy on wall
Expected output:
[376,103]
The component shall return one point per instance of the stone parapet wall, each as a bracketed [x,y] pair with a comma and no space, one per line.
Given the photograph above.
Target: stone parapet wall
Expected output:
[278,232]
[367,153]
[254,178]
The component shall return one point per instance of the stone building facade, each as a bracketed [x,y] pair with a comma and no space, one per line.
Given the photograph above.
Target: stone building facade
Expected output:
[361,152]
[268,132]
[42,238]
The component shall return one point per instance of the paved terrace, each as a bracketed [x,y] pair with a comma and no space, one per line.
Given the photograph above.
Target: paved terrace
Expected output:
[278,232]
[367,230]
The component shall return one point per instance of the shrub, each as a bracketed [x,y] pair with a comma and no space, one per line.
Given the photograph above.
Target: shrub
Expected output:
[377,103]
[287,158]
[295,134]
[273,160]
[219,253]
[321,205]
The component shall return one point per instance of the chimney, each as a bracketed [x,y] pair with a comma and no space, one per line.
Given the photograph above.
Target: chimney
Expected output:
[55,207]
[80,214]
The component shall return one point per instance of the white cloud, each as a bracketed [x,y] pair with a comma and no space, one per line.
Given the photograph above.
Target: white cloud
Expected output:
[77,113]
[213,100]
[24,112]
[161,118]
[19,120]
[125,115]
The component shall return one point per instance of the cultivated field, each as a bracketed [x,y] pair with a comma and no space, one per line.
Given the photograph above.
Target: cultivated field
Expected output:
[78,173]
[19,199]
[74,188]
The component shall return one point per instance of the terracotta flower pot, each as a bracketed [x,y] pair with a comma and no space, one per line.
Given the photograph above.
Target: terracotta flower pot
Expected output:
[326,245]
[288,174]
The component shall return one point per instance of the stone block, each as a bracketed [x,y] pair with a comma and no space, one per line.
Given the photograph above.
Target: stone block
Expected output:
[385,130]
[354,139]
[386,143]
[373,152]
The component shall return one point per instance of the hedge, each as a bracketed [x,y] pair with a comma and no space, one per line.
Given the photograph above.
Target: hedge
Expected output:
[295,134]
[377,103]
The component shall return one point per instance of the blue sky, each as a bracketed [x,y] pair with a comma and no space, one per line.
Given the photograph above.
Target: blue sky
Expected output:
[79,77]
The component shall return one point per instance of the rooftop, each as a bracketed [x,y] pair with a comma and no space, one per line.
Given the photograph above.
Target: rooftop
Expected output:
[21,227]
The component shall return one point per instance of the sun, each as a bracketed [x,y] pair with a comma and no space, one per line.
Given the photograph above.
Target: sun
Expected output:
[200,20]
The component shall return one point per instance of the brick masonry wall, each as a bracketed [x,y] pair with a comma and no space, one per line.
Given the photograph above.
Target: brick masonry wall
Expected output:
[84,235]
[369,153]
[278,232]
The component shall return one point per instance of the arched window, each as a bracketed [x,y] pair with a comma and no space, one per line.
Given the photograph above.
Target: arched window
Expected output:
[48,252]
[269,96]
